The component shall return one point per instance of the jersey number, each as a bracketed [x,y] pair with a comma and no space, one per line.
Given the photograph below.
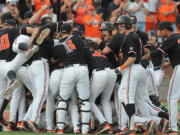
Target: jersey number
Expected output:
[96,53]
[71,45]
[4,42]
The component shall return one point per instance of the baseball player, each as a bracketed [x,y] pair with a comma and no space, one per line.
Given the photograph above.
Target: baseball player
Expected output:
[75,74]
[102,82]
[8,57]
[170,47]
[133,74]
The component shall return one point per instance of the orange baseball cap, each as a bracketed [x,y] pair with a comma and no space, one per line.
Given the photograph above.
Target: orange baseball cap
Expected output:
[91,8]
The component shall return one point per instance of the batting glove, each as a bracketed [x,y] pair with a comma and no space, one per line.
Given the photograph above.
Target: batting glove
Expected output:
[118,70]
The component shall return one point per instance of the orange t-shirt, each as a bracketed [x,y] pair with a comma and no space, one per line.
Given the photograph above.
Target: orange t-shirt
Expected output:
[92,30]
[89,2]
[166,8]
[39,4]
[80,13]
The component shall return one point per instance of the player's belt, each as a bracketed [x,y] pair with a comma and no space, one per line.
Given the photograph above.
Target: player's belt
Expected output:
[72,65]
[100,69]
[157,68]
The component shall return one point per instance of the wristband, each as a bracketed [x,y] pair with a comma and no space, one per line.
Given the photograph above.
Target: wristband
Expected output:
[122,67]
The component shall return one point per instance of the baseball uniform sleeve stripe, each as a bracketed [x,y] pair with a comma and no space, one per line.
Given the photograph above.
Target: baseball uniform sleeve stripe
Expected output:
[44,92]
[170,92]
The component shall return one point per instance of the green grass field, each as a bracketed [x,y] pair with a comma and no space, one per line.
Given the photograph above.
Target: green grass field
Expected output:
[29,133]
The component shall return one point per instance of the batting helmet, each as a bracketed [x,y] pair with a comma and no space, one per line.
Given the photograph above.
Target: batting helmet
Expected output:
[123,19]
[90,44]
[66,28]
[166,25]
[106,26]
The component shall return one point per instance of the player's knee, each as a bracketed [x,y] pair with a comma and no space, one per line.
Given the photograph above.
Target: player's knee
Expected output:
[23,46]
[130,109]
[11,75]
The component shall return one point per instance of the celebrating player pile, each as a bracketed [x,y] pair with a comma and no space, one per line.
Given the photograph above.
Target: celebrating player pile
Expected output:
[60,82]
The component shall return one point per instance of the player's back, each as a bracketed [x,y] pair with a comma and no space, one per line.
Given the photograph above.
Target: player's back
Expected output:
[7,37]
[74,52]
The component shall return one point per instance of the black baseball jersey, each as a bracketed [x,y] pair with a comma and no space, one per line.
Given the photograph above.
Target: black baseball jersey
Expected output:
[96,60]
[144,40]
[7,37]
[171,47]
[157,62]
[116,42]
[111,55]
[70,50]
[132,47]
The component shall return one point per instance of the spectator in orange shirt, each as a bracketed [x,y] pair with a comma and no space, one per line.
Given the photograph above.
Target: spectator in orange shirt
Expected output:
[38,4]
[168,12]
[80,10]
[92,23]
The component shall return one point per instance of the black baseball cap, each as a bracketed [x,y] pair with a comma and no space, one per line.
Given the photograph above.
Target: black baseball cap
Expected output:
[66,28]
[166,25]
[152,33]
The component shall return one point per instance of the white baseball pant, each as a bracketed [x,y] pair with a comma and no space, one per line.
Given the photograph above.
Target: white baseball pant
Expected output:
[173,98]
[102,82]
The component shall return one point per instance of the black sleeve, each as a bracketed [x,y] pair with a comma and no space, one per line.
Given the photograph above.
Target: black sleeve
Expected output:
[116,42]
[131,47]
[167,44]
[77,41]
[102,45]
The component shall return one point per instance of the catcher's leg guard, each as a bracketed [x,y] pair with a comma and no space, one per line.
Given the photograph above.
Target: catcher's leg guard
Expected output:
[61,111]
[85,115]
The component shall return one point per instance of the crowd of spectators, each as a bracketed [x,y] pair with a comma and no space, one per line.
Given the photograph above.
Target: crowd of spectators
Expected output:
[89,14]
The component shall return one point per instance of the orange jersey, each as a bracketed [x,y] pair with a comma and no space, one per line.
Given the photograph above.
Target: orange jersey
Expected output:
[92,30]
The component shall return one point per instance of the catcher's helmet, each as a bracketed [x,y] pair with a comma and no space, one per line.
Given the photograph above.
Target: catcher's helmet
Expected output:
[123,19]
[106,26]
[166,25]
[66,28]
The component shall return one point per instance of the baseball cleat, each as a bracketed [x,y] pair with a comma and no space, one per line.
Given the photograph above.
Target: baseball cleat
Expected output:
[24,126]
[60,131]
[33,36]
[150,126]
[11,87]
[163,125]
[103,128]
[3,128]
[77,131]
[18,125]
[30,52]
[34,127]
[11,126]
[3,122]
[126,131]
[42,36]
[50,130]
[170,132]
